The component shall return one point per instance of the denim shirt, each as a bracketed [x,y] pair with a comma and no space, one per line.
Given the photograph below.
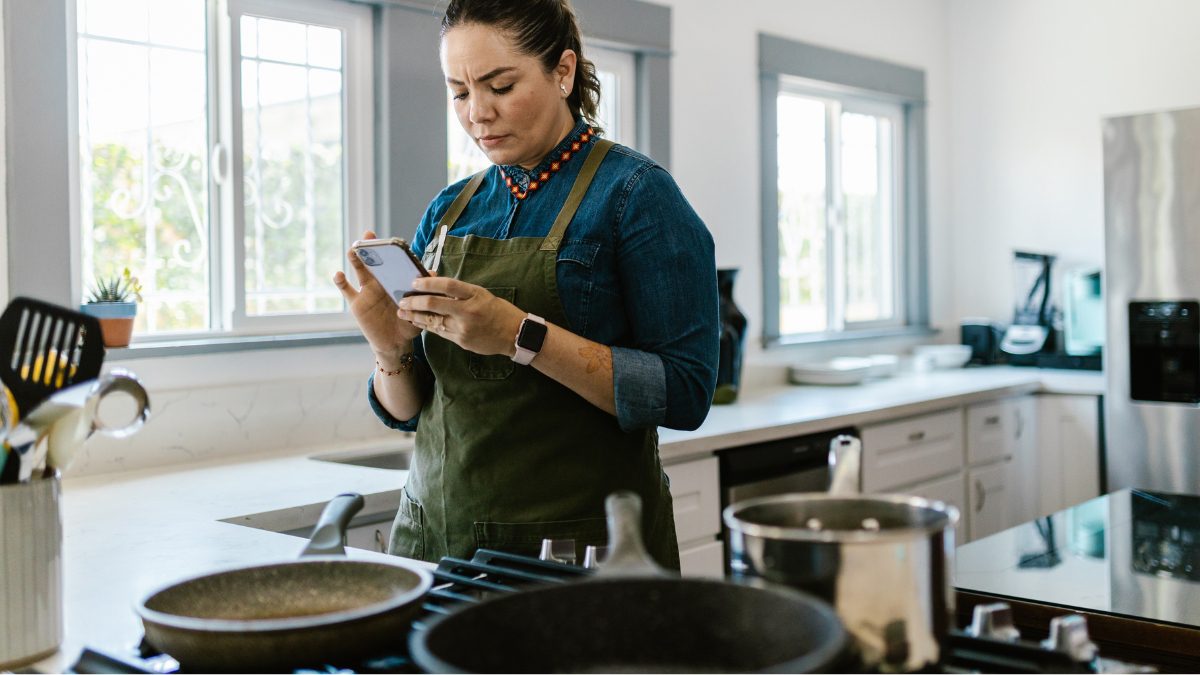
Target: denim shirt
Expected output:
[636,271]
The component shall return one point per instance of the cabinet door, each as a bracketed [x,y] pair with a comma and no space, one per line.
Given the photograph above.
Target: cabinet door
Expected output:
[696,493]
[911,450]
[371,536]
[989,498]
[1068,451]
[951,491]
[1023,472]
[989,432]
[703,560]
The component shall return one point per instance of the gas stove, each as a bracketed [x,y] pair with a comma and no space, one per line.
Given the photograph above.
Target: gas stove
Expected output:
[990,644]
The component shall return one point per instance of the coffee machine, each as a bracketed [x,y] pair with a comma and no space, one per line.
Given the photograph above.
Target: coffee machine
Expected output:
[1030,331]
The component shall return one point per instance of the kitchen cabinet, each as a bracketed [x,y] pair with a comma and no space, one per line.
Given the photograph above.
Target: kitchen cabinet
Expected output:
[951,490]
[977,457]
[911,450]
[1067,465]
[1001,445]
[696,493]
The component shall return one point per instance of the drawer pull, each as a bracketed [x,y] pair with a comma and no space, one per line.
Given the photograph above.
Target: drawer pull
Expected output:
[979,490]
[992,421]
[916,436]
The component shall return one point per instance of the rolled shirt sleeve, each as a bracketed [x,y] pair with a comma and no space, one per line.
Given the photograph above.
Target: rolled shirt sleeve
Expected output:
[667,374]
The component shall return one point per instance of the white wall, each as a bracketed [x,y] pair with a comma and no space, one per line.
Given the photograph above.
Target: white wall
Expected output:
[1030,81]
[3,175]
[715,122]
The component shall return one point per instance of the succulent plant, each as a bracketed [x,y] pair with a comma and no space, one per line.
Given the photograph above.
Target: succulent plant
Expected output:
[123,288]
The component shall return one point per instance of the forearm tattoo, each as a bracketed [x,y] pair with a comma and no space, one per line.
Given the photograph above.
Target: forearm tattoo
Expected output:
[597,358]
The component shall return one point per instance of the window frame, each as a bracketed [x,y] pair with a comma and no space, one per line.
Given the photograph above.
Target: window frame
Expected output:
[409,124]
[358,148]
[859,83]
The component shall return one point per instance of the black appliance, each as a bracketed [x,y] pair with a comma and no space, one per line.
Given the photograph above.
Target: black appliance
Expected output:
[1164,351]
[983,337]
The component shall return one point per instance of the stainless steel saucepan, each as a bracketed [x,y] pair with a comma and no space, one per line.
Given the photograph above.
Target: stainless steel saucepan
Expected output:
[885,562]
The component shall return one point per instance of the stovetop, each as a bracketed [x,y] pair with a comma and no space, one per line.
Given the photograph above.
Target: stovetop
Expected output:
[490,573]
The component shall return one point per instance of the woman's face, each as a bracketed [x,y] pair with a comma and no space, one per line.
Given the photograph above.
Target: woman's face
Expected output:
[512,108]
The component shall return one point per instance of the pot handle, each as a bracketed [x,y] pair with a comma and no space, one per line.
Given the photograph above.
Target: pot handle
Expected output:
[627,556]
[329,536]
[845,461]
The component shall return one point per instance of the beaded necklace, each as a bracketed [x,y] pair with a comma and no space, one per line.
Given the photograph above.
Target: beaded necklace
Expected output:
[554,167]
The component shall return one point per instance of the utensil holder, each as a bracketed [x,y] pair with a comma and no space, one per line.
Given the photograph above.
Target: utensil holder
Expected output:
[31,600]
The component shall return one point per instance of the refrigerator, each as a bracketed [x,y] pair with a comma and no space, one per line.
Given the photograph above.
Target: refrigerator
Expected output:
[1152,288]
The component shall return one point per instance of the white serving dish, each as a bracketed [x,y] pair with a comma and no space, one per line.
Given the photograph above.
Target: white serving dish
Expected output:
[883,365]
[843,370]
[942,357]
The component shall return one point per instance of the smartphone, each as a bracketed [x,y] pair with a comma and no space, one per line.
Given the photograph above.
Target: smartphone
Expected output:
[392,263]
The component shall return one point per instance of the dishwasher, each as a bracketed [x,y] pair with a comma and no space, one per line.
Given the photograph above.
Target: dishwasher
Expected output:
[794,464]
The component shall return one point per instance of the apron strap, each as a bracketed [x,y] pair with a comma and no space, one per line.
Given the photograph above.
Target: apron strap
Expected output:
[578,190]
[460,203]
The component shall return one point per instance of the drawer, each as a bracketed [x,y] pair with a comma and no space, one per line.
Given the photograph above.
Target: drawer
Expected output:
[951,490]
[703,560]
[696,491]
[989,432]
[911,450]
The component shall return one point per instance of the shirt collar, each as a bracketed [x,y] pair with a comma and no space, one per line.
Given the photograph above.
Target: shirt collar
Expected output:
[522,177]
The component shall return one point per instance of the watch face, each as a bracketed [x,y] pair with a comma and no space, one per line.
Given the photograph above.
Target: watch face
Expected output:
[532,335]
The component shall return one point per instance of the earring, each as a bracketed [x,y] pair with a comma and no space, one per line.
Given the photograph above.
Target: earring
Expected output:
[564,89]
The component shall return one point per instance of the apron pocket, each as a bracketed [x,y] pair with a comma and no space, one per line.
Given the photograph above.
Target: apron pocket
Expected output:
[526,538]
[495,366]
[408,529]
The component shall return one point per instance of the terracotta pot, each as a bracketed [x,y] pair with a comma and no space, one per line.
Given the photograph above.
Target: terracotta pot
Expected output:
[116,320]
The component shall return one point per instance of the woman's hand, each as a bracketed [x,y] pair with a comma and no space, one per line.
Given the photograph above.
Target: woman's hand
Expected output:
[375,313]
[466,314]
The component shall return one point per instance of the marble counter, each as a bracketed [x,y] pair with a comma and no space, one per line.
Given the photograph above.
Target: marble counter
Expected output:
[129,533]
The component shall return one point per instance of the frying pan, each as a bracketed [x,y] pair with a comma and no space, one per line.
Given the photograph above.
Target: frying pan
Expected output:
[280,616]
[634,617]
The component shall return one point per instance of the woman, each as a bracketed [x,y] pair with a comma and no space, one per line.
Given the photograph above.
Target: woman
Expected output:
[574,310]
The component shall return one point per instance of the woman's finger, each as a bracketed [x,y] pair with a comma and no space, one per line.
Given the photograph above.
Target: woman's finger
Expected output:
[343,285]
[453,288]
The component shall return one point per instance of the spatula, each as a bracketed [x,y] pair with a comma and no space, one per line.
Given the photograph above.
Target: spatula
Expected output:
[44,347]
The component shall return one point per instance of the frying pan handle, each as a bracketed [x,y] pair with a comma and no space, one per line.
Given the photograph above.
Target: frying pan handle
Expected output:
[123,381]
[627,556]
[328,537]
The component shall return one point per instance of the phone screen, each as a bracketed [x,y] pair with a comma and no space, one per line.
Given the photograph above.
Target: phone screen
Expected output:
[392,266]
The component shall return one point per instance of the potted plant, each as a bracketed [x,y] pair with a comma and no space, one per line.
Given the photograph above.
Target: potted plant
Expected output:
[113,300]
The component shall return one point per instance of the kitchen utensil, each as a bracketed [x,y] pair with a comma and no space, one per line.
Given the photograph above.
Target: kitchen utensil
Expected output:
[634,617]
[883,561]
[279,616]
[76,413]
[44,347]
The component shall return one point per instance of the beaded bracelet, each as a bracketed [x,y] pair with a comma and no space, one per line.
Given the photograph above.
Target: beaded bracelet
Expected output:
[406,364]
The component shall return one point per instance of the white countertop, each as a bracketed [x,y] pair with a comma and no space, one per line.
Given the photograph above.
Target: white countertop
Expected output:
[127,534]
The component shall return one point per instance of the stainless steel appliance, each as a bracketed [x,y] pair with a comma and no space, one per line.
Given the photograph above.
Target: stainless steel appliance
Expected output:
[1152,228]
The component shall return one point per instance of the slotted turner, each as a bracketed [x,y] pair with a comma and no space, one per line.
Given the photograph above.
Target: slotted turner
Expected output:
[44,347]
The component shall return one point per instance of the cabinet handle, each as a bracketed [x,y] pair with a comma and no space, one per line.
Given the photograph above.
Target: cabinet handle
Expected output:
[982,496]
[1020,423]
[916,436]
[380,544]
[992,420]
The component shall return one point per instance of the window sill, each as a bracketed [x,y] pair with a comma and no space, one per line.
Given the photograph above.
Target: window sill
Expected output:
[231,343]
[852,336]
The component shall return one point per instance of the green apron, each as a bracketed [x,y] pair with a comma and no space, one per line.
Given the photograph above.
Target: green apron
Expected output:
[505,456]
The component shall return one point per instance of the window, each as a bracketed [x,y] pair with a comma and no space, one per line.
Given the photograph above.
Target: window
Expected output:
[843,195]
[617,112]
[224,154]
[839,209]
